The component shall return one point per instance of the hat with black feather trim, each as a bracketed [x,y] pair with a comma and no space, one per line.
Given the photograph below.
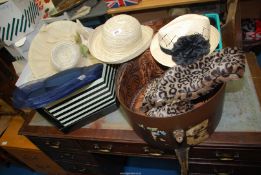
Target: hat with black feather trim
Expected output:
[184,40]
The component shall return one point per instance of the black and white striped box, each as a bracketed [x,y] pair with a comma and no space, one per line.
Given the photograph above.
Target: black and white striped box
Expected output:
[86,104]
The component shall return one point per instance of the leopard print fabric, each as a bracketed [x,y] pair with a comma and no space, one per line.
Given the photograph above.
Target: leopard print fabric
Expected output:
[172,93]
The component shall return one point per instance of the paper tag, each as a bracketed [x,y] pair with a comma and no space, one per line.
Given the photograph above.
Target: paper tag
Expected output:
[81,77]
[197,133]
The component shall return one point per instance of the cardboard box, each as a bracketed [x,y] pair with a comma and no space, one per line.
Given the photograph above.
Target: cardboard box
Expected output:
[85,105]
[120,3]
[18,18]
[26,16]
[21,52]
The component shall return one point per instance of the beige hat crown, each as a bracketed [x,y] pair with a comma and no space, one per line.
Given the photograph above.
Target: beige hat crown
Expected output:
[120,39]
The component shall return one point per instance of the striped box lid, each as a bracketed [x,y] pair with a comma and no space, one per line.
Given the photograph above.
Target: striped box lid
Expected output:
[86,104]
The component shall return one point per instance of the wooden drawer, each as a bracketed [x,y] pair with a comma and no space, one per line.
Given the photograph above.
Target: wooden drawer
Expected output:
[205,153]
[55,143]
[229,168]
[124,149]
[210,153]
[80,168]
[103,162]
[226,154]
[37,160]
[111,165]
[74,157]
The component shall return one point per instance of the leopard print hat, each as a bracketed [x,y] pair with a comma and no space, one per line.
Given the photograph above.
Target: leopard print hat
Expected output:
[172,93]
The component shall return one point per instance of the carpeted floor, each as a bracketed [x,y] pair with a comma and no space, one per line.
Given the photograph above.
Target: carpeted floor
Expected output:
[16,170]
[134,166]
[150,166]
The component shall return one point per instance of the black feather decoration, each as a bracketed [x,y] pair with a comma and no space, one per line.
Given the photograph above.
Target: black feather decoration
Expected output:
[189,48]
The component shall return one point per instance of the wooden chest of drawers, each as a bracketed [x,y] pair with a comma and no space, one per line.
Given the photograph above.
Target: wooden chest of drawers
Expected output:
[107,142]
[212,157]
[69,154]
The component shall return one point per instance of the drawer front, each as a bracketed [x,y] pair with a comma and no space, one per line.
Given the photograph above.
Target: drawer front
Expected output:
[226,154]
[124,149]
[80,168]
[210,153]
[73,157]
[55,144]
[217,168]
[105,164]
[37,161]
[52,145]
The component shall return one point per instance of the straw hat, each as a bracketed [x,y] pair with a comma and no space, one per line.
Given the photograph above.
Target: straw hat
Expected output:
[120,39]
[50,37]
[163,43]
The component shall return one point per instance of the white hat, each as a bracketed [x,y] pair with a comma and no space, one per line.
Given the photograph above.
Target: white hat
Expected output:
[120,39]
[186,25]
[50,37]
[65,55]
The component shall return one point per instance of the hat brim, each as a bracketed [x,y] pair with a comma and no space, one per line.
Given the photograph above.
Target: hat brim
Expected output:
[39,55]
[166,59]
[102,54]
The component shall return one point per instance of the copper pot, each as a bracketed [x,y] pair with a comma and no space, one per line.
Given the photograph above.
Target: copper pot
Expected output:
[174,132]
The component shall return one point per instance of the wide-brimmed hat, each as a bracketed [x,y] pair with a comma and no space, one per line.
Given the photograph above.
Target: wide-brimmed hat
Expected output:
[189,35]
[120,39]
[47,39]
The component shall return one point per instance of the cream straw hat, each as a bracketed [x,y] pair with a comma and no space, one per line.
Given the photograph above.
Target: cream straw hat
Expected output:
[186,25]
[120,39]
[47,39]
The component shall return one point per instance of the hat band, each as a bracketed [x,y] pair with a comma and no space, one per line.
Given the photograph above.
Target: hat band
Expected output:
[166,51]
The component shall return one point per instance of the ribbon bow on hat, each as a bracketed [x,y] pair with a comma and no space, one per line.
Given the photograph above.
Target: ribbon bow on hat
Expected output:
[183,40]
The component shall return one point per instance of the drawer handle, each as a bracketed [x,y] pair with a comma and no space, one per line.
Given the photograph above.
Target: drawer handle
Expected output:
[152,152]
[67,155]
[217,172]
[82,170]
[223,173]
[105,149]
[55,145]
[227,156]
